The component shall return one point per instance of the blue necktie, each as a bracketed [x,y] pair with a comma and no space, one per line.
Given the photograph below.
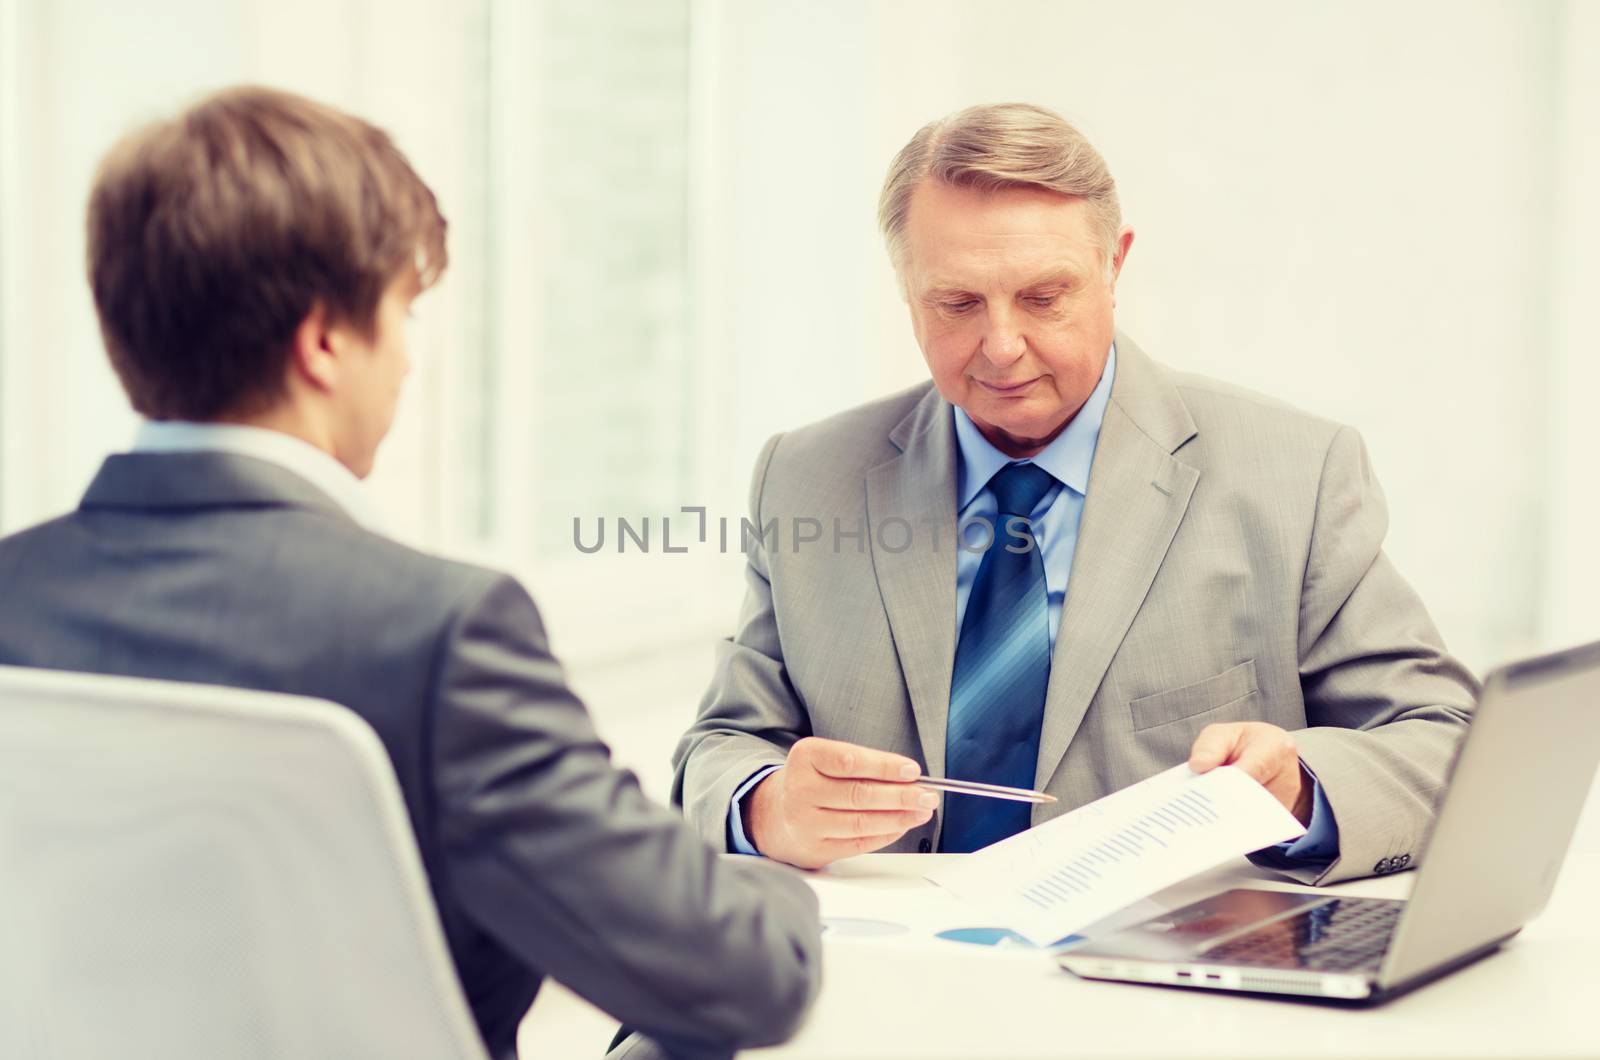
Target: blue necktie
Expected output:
[1002,668]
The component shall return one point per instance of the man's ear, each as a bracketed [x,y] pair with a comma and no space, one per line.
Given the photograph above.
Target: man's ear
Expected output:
[1119,257]
[314,354]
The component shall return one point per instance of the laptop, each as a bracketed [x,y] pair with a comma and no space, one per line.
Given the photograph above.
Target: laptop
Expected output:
[1518,783]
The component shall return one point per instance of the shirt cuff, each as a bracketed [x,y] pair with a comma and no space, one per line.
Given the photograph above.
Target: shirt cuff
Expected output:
[1321,841]
[738,842]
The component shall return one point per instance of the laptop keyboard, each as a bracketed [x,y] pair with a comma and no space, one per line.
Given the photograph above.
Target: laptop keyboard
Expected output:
[1341,935]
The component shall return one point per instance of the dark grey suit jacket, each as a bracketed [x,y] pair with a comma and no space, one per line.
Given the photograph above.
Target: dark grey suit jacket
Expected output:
[543,858]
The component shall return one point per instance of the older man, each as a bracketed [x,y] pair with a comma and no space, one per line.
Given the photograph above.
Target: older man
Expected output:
[1075,568]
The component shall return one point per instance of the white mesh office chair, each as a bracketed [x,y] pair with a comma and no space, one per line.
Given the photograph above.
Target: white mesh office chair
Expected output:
[198,872]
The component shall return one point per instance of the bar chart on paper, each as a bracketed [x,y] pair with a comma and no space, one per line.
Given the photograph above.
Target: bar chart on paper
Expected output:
[1068,873]
[1162,827]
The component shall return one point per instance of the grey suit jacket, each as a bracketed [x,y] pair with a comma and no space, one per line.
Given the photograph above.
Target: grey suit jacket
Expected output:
[544,859]
[1229,567]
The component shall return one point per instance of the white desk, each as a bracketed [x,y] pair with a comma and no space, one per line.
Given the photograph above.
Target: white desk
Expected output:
[1539,996]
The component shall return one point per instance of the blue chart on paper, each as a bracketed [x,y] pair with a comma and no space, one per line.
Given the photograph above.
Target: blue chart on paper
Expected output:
[1189,811]
[859,928]
[993,936]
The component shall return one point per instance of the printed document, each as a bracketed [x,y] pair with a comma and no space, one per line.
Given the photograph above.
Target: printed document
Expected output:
[1058,878]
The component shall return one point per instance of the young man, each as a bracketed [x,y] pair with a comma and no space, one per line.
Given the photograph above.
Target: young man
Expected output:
[252,262]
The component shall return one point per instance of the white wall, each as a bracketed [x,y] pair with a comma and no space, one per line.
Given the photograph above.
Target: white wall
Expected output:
[1349,206]
[1571,559]
[1374,210]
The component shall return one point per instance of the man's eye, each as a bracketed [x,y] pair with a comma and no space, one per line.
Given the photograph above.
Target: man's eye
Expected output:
[1041,301]
[960,307]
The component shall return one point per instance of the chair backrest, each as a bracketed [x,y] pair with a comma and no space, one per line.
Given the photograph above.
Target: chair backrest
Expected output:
[193,871]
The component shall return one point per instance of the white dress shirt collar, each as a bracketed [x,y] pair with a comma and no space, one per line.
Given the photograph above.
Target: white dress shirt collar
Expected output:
[283,450]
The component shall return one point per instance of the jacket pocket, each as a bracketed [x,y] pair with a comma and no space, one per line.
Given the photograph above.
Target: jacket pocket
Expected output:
[1214,693]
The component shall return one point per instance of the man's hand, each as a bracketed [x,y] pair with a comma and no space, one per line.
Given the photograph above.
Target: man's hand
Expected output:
[831,800]
[1264,751]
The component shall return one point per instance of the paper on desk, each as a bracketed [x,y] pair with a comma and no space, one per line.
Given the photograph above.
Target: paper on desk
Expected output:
[1056,879]
[893,910]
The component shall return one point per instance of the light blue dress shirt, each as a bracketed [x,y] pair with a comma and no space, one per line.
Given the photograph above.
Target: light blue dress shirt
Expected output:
[1056,517]
[1055,520]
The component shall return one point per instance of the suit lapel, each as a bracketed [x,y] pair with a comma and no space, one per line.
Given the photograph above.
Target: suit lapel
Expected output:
[911,499]
[1138,494]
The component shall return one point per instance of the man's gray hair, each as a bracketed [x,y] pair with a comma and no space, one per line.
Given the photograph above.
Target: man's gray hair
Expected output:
[995,146]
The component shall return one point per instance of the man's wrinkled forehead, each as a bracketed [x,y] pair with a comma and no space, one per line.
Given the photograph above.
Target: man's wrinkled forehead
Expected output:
[954,231]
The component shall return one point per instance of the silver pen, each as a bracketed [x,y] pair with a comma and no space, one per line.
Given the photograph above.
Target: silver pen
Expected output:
[988,791]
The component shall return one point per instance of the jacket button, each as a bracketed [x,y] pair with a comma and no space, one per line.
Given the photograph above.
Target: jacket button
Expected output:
[1382,866]
[924,845]
[1402,861]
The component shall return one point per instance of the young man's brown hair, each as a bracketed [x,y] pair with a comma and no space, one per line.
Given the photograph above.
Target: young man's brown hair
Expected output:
[213,235]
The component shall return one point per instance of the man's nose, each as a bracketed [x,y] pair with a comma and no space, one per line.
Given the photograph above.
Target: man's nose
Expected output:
[1003,343]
